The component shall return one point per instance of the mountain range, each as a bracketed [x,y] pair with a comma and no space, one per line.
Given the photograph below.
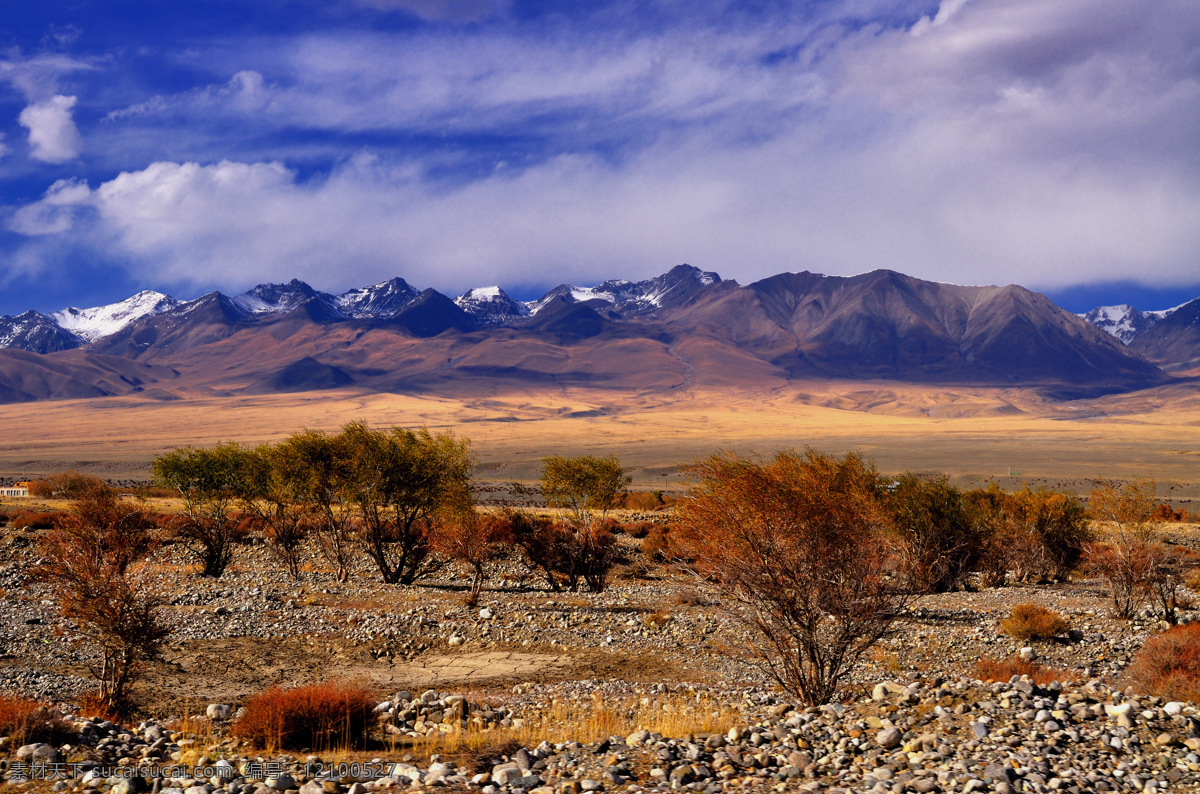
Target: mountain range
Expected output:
[682,328]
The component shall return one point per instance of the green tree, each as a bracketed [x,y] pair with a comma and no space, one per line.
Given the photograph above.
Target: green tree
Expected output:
[278,502]
[316,467]
[582,485]
[213,483]
[404,483]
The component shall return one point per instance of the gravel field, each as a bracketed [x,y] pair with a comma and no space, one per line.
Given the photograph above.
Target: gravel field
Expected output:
[912,719]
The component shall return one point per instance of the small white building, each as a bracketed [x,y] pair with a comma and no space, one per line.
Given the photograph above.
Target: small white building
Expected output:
[19,491]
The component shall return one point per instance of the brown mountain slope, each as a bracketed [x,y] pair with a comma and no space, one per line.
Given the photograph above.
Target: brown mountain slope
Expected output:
[887,325]
[74,374]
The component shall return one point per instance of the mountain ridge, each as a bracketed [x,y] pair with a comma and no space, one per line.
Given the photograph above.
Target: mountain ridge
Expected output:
[685,326]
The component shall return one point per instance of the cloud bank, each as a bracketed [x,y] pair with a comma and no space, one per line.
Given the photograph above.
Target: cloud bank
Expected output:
[975,141]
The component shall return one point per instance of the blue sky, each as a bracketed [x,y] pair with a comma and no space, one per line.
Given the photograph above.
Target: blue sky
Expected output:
[216,144]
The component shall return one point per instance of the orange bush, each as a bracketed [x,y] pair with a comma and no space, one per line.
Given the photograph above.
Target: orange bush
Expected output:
[1033,622]
[1168,665]
[317,717]
[1004,669]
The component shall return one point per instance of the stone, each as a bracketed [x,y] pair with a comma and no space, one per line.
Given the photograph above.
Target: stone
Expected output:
[591,785]
[637,738]
[1027,654]
[218,711]
[888,738]
[486,614]
[979,729]
[505,777]
[281,782]
[1174,708]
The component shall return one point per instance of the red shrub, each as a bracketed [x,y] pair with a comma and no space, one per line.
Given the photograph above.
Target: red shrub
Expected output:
[317,717]
[1004,669]
[1168,665]
[27,721]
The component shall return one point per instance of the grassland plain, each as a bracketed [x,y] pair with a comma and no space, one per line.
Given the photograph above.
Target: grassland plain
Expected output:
[973,434]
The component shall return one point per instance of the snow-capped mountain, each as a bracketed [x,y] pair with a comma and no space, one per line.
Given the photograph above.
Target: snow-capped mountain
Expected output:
[35,332]
[635,298]
[99,321]
[1124,321]
[491,306]
[378,301]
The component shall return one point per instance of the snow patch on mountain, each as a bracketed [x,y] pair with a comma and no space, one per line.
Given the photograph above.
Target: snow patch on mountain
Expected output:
[1124,321]
[101,321]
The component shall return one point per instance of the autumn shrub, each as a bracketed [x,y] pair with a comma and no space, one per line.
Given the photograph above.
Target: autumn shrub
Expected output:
[32,520]
[26,721]
[317,717]
[639,529]
[66,485]
[1168,665]
[1135,564]
[800,548]
[657,545]
[988,669]
[1028,536]
[640,500]
[1030,622]
[94,563]
[935,527]
[473,539]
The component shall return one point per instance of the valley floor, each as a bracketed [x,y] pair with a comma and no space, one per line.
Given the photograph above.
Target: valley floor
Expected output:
[1006,435]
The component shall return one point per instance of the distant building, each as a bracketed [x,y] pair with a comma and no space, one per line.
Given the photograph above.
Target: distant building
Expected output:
[16,490]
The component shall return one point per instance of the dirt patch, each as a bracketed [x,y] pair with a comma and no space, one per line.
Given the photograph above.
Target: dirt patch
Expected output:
[230,670]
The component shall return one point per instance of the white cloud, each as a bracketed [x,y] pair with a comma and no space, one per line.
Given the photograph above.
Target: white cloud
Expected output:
[3,147]
[1015,141]
[53,136]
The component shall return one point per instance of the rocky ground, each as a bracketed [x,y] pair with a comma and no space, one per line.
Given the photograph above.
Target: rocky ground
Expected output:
[655,653]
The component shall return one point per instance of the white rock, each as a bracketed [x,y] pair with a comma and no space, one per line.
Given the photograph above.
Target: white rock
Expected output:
[486,614]
[281,782]
[455,641]
[1027,654]
[218,711]
[1173,708]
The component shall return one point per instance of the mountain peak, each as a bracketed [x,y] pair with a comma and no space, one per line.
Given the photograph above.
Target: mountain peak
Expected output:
[382,300]
[490,306]
[276,298]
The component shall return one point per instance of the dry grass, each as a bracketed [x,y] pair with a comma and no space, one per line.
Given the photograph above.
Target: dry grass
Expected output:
[1031,622]
[583,721]
[970,431]
[25,721]
[1004,669]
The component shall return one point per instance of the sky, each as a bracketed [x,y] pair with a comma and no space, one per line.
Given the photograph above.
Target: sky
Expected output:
[218,144]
